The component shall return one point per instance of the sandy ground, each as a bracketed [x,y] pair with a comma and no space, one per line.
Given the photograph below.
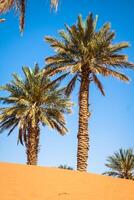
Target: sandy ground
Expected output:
[21,182]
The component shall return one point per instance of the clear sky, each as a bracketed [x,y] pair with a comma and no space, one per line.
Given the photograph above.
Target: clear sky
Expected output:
[112,121]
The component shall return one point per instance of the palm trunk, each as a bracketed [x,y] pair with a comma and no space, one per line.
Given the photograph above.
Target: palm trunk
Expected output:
[83,137]
[32,145]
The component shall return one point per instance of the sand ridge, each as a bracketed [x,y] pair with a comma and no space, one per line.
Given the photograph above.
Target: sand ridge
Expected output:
[21,182]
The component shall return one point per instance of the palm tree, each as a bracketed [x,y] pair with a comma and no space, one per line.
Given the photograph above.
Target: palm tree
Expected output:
[31,102]
[121,164]
[84,52]
[65,167]
[20,6]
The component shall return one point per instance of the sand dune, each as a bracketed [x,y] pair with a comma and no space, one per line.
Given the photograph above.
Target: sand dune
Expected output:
[20,182]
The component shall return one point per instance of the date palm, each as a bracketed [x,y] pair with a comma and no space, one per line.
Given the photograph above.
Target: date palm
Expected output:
[20,5]
[32,102]
[85,52]
[121,164]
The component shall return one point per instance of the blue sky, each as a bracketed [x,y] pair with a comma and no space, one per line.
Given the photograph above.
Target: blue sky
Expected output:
[111,124]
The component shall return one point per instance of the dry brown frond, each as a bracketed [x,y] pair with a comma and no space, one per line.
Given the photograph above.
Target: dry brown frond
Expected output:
[108,72]
[5,5]
[98,83]
[22,15]
[54,4]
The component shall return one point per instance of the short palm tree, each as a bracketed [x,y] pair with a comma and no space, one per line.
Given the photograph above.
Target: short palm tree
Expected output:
[121,164]
[65,167]
[20,5]
[31,102]
[85,52]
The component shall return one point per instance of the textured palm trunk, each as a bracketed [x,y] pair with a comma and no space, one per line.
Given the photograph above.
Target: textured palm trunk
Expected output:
[83,137]
[33,145]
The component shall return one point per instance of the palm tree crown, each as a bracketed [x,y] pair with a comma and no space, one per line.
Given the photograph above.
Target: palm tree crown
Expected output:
[32,101]
[85,52]
[121,164]
[83,48]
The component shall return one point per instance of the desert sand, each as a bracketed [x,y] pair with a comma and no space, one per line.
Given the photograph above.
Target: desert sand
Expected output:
[21,182]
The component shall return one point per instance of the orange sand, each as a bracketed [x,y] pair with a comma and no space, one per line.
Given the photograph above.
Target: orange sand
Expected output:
[20,182]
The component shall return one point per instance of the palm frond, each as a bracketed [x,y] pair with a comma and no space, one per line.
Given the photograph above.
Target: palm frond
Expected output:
[5,5]
[71,85]
[22,15]
[57,80]
[20,5]
[108,72]
[11,130]
[112,173]
[54,4]
[99,84]
[117,47]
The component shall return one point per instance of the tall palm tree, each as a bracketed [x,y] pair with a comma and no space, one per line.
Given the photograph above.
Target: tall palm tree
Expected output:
[85,52]
[31,102]
[121,164]
[20,5]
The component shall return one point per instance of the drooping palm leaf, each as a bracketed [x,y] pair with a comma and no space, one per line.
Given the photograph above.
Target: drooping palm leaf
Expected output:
[20,5]
[54,4]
